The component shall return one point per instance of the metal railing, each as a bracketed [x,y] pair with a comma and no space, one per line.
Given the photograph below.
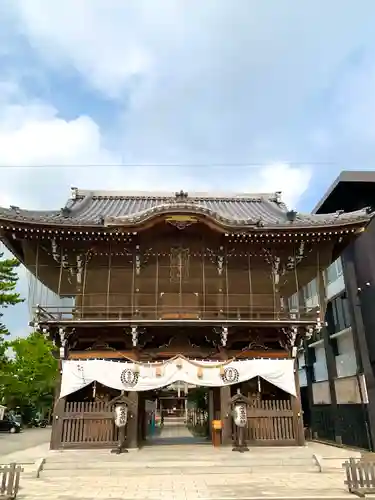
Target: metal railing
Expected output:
[173,307]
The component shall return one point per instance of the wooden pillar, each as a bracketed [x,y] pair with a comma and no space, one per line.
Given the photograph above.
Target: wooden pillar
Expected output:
[142,419]
[297,409]
[132,427]
[310,380]
[216,402]
[330,358]
[59,404]
[211,411]
[57,424]
[225,396]
[135,281]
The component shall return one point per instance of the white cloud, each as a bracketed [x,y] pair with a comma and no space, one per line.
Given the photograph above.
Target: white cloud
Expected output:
[195,83]
[198,82]
[36,135]
[291,181]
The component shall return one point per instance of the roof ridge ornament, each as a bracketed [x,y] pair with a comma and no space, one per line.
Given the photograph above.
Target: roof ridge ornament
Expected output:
[74,193]
[181,196]
[65,211]
[291,215]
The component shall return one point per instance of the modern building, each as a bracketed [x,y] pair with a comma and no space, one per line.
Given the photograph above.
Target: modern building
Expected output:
[337,367]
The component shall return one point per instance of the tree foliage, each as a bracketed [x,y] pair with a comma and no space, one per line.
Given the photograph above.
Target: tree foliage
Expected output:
[8,282]
[198,396]
[30,374]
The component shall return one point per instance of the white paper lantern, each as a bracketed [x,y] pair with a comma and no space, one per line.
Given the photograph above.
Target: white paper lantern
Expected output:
[240,415]
[121,415]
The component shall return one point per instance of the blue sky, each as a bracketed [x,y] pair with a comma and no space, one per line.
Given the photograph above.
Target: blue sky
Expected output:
[283,85]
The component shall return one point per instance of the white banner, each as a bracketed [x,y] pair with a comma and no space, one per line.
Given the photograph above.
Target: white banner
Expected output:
[130,376]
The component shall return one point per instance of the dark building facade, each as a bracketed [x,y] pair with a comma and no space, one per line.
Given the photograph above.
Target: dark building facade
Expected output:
[337,366]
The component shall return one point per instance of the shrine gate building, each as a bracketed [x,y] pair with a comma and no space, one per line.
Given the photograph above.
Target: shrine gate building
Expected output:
[143,290]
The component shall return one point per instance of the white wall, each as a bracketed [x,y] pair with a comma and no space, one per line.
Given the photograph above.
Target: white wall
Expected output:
[302,370]
[320,365]
[334,279]
[302,377]
[346,363]
[311,296]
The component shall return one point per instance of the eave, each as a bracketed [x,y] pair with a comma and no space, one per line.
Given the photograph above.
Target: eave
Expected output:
[174,322]
[120,227]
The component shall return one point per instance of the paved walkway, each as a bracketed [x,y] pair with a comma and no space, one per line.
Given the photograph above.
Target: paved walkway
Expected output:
[179,487]
[175,432]
[12,443]
[184,472]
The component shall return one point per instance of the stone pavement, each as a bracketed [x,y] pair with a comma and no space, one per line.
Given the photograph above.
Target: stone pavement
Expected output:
[186,472]
[11,443]
[29,447]
[180,487]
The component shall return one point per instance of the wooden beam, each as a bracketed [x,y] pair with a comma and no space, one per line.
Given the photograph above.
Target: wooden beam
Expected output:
[258,354]
[102,355]
[126,355]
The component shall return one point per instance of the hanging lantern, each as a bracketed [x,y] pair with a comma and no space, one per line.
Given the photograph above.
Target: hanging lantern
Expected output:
[179,364]
[240,415]
[222,370]
[200,372]
[158,371]
[121,415]
[136,369]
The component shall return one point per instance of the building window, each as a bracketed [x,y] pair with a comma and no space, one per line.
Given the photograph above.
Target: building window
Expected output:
[334,271]
[293,303]
[337,315]
[311,290]
[320,365]
[310,295]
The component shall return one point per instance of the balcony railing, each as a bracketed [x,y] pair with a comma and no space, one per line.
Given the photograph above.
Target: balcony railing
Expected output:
[186,307]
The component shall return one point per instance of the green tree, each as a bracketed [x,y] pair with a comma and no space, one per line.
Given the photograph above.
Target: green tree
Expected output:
[8,297]
[30,375]
[8,282]
[198,396]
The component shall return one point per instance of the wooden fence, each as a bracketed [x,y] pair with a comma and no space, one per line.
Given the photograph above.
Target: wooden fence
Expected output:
[9,481]
[360,476]
[91,425]
[271,423]
[87,425]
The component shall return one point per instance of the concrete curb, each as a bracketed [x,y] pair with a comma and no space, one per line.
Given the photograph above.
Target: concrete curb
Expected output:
[39,466]
[318,460]
[299,497]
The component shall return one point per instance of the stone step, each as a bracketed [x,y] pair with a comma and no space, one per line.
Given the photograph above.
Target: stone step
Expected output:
[131,461]
[174,466]
[185,471]
[164,454]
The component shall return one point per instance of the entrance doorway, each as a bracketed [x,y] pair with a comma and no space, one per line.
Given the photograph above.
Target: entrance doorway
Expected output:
[177,415]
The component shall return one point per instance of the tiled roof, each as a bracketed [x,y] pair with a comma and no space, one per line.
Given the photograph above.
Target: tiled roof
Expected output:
[105,208]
